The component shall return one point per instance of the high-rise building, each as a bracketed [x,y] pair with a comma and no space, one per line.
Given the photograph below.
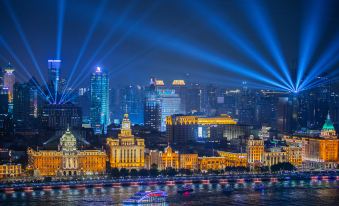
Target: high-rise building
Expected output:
[25,103]
[171,104]
[54,77]
[152,107]
[9,80]
[99,111]
[131,102]
[126,151]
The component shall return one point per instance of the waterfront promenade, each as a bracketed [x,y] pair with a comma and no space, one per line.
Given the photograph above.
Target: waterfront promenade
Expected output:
[107,181]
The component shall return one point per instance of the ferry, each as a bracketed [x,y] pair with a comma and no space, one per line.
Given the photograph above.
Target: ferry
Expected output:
[147,197]
[185,188]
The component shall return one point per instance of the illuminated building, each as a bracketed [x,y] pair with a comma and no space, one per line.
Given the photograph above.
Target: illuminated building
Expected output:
[211,163]
[131,102]
[170,104]
[152,108]
[67,160]
[189,161]
[274,156]
[126,151]
[54,76]
[60,116]
[99,110]
[9,81]
[294,155]
[322,152]
[10,170]
[255,151]
[152,157]
[182,129]
[169,158]
[234,159]
[1,79]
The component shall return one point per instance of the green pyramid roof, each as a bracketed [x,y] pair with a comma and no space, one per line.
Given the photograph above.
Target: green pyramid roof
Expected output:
[328,124]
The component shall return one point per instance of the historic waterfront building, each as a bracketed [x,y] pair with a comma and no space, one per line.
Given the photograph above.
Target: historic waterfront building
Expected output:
[234,159]
[188,161]
[211,163]
[169,158]
[67,160]
[126,151]
[322,152]
[10,170]
[255,151]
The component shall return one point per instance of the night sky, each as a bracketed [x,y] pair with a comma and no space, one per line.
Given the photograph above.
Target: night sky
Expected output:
[151,38]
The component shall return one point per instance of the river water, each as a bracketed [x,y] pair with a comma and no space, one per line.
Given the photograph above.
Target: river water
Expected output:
[281,193]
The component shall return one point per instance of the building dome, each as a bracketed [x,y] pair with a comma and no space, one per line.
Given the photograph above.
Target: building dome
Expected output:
[328,129]
[68,141]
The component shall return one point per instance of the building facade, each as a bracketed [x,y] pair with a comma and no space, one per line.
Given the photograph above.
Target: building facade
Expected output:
[322,152]
[10,170]
[67,160]
[182,129]
[255,152]
[126,151]
[99,109]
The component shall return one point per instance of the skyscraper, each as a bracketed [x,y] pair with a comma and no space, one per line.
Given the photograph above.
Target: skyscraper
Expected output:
[54,76]
[99,111]
[131,102]
[25,101]
[152,109]
[9,80]
[171,103]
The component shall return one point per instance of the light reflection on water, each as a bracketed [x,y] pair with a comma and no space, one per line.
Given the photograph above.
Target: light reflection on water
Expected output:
[286,193]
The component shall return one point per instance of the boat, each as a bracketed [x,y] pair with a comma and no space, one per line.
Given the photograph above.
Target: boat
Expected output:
[185,188]
[147,197]
[228,190]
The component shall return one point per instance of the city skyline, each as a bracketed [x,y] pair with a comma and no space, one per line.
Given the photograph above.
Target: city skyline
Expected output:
[190,102]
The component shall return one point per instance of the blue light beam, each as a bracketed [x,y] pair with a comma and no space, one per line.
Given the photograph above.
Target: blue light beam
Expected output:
[26,44]
[310,35]
[61,14]
[262,26]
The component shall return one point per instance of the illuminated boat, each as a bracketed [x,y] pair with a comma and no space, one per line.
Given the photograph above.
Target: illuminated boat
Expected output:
[147,197]
[256,180]
[185,188]
[325,178]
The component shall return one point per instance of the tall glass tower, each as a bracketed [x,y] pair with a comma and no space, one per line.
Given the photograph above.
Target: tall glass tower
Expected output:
[99,111]
[54,76]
